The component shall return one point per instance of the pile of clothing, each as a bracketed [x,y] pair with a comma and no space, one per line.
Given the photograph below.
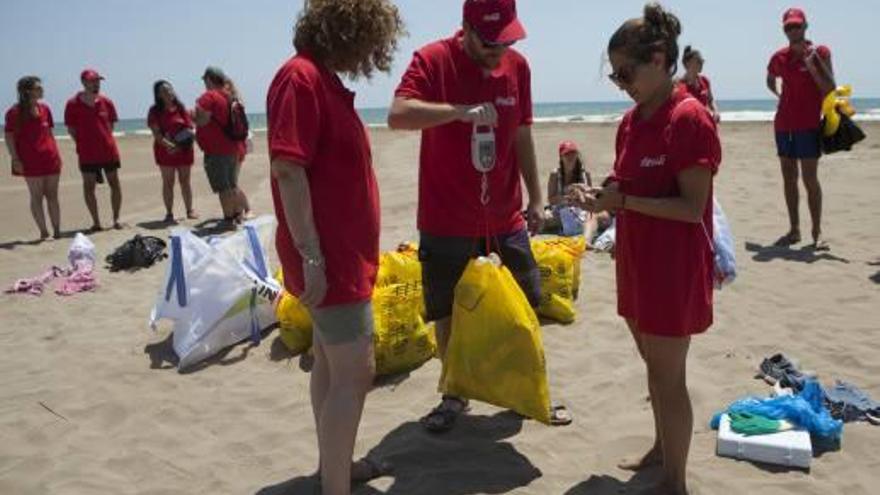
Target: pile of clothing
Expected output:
[800,404]
[78,276]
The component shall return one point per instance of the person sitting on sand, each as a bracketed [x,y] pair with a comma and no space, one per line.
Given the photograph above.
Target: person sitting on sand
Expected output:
[571,171]
[34,152]
[695,82]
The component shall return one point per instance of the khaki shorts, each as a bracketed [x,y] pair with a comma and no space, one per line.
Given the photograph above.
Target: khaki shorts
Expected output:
[344,323]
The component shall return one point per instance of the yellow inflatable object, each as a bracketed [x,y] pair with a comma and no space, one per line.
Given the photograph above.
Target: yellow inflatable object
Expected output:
[835,104]
[559,263]
[295,324]
[402,341]
[495,352]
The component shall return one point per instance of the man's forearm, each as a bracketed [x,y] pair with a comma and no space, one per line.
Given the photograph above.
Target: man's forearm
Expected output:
[414,115]
[296,199]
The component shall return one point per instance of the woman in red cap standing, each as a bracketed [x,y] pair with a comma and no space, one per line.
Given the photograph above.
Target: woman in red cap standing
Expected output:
[29,139]
[807,75]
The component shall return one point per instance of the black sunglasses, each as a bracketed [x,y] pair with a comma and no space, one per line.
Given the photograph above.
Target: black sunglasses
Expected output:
[491,45]
[793,27]
[624,75]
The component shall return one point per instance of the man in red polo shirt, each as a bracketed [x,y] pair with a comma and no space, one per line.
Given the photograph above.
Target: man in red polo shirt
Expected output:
[462,92]
[90,117]
[807,76]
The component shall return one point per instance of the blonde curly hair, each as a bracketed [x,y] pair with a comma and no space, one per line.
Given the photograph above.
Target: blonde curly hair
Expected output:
[355,37]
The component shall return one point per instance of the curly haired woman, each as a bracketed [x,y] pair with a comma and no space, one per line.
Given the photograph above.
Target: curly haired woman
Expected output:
[327,203]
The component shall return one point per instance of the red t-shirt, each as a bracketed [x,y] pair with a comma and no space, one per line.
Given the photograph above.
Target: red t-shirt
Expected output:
[800,106]
[449,185]
[312,121]
[211,137]
[34,141]
[665,267]
[94,129]
[170,122]
[702,90]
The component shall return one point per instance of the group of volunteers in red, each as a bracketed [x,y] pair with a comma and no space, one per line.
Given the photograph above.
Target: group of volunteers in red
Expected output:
[470,96]
[90,118]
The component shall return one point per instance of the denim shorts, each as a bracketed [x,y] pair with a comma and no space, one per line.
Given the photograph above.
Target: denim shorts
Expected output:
[445,258]
[798,144]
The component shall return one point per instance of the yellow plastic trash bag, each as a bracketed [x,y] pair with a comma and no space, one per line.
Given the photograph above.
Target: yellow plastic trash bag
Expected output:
[559,265]
[401,341]
[495,352]
[295,324]
[398,268]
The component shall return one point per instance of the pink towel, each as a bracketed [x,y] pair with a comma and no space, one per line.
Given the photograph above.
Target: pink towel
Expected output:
[75,279]
[81,279]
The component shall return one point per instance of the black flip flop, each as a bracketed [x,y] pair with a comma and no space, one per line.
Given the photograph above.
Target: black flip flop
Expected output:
[560,416]
[442,418]
[376,469]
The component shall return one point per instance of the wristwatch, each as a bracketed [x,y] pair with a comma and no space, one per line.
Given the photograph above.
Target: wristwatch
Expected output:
[314,262]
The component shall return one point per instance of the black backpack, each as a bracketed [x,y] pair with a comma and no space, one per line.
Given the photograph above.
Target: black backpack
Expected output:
[137,252]
[237,127]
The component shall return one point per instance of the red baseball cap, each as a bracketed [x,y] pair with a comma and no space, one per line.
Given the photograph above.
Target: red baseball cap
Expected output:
[90,75]
[567,147]
[794,16]
[494,20]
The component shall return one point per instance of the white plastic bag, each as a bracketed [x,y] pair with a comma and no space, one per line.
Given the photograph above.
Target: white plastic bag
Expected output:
[82,248]
[723,247]
[218,294]
[605,241]
[572,219]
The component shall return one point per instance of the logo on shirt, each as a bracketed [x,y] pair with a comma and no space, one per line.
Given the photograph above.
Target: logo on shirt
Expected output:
[649,162]
[510,101]
[492,17]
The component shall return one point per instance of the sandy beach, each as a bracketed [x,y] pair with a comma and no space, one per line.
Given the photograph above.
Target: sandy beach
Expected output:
[90,402]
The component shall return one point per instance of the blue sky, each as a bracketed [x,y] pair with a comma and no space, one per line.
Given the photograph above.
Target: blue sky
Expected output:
[134,42]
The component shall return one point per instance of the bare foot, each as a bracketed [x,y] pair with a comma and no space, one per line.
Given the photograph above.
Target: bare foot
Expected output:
[819,243]
[654,457]
[94,228]
[192,215]
[792,237]
[44,236]
[118,226]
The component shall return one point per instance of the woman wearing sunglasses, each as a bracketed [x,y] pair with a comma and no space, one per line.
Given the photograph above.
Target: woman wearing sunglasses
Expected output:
[667,154]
